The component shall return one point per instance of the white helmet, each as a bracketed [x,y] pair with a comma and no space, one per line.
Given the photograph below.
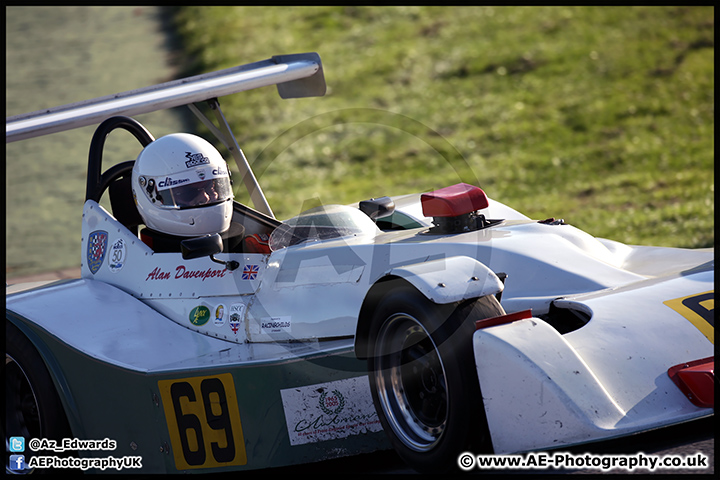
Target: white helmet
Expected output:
[181,185]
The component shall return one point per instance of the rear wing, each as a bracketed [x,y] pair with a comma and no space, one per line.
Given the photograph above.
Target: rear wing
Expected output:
[296,75]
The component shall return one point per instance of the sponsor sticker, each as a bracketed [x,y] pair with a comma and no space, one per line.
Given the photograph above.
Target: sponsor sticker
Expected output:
[199,315]
[275,325]
[237,311]
[170,182]
[97,246]
[116,259]
[195,159]
[219,315]
[328,411]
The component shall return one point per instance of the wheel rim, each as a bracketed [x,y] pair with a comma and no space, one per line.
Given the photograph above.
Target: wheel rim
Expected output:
[410,379]
[21,404]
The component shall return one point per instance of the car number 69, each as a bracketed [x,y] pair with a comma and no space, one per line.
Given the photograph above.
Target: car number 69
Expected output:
[203,421]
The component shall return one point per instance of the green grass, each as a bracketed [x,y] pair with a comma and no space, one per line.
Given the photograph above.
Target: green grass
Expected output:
[603,116]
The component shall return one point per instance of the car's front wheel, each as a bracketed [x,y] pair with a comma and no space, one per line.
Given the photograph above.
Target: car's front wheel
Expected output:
[423,377]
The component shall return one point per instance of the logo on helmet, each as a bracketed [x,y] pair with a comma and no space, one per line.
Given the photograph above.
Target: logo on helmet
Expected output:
[196,159]
[170,182]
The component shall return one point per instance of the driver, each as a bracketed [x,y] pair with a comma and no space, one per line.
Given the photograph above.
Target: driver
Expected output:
[182,188]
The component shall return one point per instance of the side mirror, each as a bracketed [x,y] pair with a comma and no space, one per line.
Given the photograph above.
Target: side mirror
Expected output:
[201,246]
[204,246]
[377,207]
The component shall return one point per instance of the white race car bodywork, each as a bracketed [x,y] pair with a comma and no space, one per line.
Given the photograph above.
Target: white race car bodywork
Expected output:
[541,389]
[275,296]
[606,379]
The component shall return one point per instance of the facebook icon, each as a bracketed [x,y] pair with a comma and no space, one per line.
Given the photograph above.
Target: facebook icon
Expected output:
[17,462]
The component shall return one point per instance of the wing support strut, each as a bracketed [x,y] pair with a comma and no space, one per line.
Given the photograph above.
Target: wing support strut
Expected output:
[228,139]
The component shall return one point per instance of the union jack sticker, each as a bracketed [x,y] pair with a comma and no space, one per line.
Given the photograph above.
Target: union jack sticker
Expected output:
[250,272]
[97,246]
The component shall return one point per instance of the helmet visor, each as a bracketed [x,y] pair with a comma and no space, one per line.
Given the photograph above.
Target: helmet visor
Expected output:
[196,194]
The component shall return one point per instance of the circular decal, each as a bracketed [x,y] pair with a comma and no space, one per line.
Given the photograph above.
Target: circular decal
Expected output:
[199,315]
[117,256]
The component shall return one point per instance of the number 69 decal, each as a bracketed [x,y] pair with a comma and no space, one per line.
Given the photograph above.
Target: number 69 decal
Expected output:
[203,421]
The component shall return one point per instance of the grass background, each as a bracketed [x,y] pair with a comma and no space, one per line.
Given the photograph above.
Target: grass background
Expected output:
[603,116]
[55,56]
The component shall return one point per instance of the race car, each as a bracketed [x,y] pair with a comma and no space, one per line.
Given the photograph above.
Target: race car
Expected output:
[434,323]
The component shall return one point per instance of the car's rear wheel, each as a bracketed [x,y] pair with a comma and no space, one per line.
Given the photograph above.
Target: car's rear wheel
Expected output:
[32,405]
[423,377]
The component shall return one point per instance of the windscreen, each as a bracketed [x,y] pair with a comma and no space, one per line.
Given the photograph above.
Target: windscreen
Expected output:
[322,223]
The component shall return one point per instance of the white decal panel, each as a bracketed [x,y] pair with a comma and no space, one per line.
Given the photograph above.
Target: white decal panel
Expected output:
[328,411]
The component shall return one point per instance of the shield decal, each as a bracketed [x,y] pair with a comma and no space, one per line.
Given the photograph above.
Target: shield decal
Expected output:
[97,246]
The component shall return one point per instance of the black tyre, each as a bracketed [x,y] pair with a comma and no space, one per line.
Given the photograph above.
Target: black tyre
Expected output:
[32,406]
[423,377]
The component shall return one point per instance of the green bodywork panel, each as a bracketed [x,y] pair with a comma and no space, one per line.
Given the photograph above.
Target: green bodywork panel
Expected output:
[230,417]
